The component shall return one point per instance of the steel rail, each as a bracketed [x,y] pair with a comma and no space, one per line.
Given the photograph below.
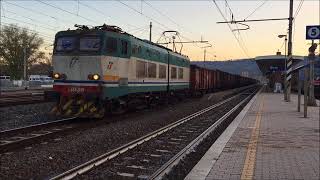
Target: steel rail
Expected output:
[36,126]
[22,95]
[33,134]
[19,99]
[168,166]
[87,166]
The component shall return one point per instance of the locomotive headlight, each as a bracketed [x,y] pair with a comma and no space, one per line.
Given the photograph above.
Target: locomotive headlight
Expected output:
[96,77]
[93,76]
[56,76]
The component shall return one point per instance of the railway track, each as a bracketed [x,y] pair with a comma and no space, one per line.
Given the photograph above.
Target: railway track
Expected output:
[20,137]
[15,139]
[156,154]
[23,98]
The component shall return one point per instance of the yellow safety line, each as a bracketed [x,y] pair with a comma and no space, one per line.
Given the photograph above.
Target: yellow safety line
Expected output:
[248,167]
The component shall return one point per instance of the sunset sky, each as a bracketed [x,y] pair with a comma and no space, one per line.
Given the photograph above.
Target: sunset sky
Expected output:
[193,20]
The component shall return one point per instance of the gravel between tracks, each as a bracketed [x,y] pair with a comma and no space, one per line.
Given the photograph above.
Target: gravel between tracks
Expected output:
[25,115]
[46,160]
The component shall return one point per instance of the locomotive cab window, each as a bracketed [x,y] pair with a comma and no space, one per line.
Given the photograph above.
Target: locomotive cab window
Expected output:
[65,44]
[180,73]
[111,45]
[173,73]
[90,44]
[162,71]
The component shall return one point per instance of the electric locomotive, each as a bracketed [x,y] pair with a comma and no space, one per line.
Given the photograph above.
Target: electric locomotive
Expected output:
[103,68]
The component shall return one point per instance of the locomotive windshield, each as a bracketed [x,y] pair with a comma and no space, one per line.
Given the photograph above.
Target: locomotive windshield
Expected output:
[75,43]
[89,44]
[66,44]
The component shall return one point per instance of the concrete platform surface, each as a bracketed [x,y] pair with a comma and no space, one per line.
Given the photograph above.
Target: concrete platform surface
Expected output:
[268,140]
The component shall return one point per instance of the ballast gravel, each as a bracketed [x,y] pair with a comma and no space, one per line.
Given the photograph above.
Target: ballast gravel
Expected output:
[45,160]
[25,115]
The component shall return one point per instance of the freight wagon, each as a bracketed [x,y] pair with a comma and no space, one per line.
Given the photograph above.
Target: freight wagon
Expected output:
[209,80]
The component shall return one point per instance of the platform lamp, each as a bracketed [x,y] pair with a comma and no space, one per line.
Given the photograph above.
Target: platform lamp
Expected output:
[285,64]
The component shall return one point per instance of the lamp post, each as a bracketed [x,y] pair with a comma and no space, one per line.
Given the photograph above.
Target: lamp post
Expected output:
[285,65]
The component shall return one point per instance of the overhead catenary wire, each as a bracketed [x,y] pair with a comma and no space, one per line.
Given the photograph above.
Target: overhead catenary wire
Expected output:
[141,32]
[230,10]
[294,18]
[298,9]
[44,27]
[46,37]
[90,7]
[101,12]
[196,44]
[69,12]
[39,12]
[137,11]
[170,19]
[159,12]
[255,10]
[47,40]
[237,39]
[150,18]
[96,10]
[59,19]
[26,17]
[29,30]
[241,41]
[136,30]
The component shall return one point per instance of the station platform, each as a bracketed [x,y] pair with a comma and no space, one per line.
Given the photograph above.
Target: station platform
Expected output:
[269,139]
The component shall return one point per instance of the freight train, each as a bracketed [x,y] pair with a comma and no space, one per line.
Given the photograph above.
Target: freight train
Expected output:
[104,69]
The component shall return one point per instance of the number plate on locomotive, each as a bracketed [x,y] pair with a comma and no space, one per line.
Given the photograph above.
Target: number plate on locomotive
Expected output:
[76,90]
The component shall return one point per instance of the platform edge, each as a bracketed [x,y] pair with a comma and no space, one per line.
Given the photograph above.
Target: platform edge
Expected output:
[203,167]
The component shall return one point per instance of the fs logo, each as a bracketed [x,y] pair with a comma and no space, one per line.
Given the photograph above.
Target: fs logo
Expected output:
[73,61]
[110,65]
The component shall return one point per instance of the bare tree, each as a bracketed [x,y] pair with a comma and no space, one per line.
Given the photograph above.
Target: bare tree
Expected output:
[13,40]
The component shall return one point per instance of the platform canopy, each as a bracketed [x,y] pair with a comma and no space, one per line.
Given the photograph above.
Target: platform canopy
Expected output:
[274,63]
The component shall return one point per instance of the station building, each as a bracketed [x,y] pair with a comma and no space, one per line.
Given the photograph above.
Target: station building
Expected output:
[273,68]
